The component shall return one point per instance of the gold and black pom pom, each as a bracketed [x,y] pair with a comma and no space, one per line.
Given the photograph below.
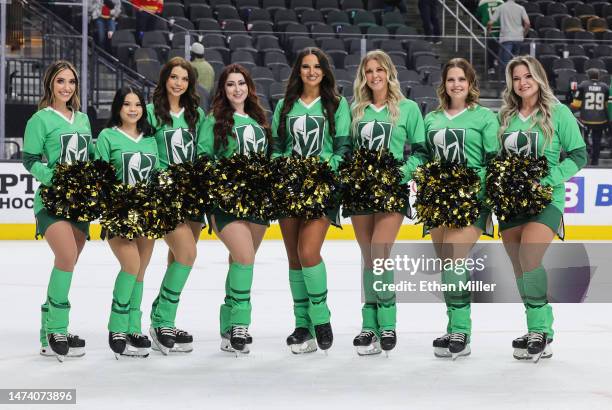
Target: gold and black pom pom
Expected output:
[193,182]
[371,181]
[242,186]
[447,195]
[128,212]
[163,211]
[303,188]
[80,190]
[513,187]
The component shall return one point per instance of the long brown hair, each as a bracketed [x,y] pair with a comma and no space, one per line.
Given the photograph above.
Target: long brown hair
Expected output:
[473,91]
[50,73]
[329,94]
[189,100]
[223,112]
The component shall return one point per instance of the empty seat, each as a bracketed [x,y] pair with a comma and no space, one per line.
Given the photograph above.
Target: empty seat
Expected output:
[326,6]
[173,10]
[364,19]
[311,16]
[149,69]
[352,5]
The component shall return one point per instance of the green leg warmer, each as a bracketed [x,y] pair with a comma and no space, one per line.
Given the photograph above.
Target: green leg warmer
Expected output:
[44,311]
[457,302]
[369,320]
[385,299]
[539,312]
[225,311]
[120,308]
[166,304]
[300,299]
[241,279]
[57,297]
[135,315]
[315,278]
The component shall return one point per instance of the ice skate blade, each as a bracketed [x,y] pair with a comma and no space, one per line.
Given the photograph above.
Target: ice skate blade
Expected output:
[308,346]
[135,352]
[522,354]
[72,352]
[156,344]
[369,350]
[441,352]
[465,352]
[226,346]
[182,348]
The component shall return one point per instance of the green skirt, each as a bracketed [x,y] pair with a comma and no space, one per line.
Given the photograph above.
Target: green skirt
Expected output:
[550,216]
[44,220]
[222,219]
[406,211]
[484,223]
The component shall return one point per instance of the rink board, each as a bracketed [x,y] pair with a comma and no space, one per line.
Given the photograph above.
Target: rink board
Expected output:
[587,212]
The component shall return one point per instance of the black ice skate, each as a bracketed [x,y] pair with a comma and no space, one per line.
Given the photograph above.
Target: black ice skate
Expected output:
[238,339]
[226,345]
[388,340]
[325,336]
[117,342]
[58,342]
[138,345]
[520,348]
[366,343]
[183,341]
[536,346]
[458,345]
[440,346]
[76,347]
[163,339]
[301,341]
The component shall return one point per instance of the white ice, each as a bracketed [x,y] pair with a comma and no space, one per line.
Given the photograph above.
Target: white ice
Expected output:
[579,376]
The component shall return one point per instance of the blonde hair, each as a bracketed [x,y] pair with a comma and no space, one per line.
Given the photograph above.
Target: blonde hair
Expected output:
[52,71]
[363,94]
[473,96]
[542,116]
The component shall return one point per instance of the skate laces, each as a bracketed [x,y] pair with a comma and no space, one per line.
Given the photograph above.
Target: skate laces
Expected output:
[457,337]
[179,332]
[166,331]
[366,333]
[387,333]
[535,337]
[59,337]
[119,336]
[239,332]
[138,336]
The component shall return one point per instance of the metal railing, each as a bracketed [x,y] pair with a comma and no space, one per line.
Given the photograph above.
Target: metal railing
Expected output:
[475,31]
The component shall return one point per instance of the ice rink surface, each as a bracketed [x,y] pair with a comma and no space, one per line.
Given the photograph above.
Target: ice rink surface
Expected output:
[579,376]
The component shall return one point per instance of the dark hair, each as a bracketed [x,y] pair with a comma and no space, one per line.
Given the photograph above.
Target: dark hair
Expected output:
[115,119]
[593,74]
[329,94]
[190,100]
[223,111]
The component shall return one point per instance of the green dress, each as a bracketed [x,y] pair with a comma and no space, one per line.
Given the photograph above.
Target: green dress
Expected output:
[308,134]
[60,140]
[247,136]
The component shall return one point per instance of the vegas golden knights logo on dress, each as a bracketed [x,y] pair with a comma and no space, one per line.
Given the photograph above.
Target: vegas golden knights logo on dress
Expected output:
[524,143]
[374,135]
[307,132]
[180,146]
[250,138]
[137,166]
[448,144]
[74,147]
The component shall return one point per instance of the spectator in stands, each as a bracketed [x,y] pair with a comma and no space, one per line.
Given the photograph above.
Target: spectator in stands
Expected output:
[485,9]
[104,14]
[146,13]
[431,24]
[390,5]
[514,26]
[205,72]
[592,99]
